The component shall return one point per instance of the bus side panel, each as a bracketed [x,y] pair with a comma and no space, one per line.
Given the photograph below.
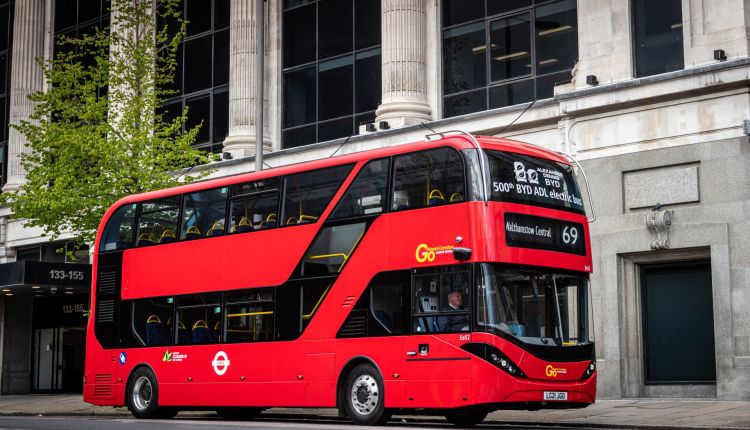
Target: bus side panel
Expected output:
[261,258]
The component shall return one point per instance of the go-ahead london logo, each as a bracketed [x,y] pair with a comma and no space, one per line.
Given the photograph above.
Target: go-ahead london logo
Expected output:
[220,363]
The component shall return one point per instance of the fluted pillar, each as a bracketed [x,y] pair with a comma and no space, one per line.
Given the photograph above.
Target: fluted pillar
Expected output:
[243,54]
[26,77]
[404,39]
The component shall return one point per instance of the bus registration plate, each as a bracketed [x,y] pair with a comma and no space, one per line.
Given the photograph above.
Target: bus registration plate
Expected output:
[556,395]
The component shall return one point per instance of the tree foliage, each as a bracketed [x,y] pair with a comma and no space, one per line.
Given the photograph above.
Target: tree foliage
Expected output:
[97,132]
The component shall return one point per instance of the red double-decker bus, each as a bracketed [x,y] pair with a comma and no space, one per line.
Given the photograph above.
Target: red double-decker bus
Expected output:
[448,276]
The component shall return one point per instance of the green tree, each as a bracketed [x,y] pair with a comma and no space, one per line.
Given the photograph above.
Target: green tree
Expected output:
[97,133]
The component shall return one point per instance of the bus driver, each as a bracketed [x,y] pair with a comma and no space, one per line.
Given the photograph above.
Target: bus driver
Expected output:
[454,322]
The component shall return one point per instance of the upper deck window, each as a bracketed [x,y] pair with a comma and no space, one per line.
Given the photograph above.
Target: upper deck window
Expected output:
[255,205]
[428,178]
[367,193]
[204,213]
[119,231]
[528,180]
[307,194]
[158,221]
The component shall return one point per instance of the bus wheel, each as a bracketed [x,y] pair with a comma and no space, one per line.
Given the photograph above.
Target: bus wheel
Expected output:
[142,394]
[364,401]
[238,414]
[466,418]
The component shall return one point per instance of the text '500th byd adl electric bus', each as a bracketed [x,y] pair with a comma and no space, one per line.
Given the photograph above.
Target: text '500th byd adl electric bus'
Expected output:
[448,276]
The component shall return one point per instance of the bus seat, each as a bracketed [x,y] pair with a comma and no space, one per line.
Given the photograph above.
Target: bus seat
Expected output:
[217,228]
[270,221]
[456,197]
[201,333]
[291,220]
[156,333]
[167,236]
[193,232]
[244,225]
[144,239]
[435,198]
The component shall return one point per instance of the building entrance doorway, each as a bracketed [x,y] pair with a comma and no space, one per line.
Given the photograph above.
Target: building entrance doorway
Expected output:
[678,324]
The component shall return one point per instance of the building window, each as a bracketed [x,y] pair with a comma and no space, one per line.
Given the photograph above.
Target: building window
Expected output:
[6,44]
[498,54]
[331,68]
[201,79]
[658,37]
[60,252]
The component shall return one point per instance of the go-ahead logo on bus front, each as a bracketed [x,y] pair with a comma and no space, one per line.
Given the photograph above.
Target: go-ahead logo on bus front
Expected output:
[220,363]
[425,253]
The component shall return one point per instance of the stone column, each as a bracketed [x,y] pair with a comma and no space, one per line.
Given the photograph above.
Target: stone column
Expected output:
[243,54]
[26,77]
[404,42]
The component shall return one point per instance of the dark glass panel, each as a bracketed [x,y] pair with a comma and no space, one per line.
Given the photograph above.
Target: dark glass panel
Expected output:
[171,110]
[545,85]
[221,116]
[3,120]
[199,111]
[299,35]
[367,193]
[299,136]
[334,28]
[556,37]
[292,3]
[221,57]
[203,214]
[88,10]
[299,97]
[462,104]
[367,84]
[334,129]
[502,6]
[5,29]
[307,194]
[658,36]
[221,14]
[427,178]
[512,93]
[3,73]
[197,64]
[257,211]
[458,11]
[198,16]
[464,63]
[65,14]
[336,86]
[178,71]
[511,47]
[366,23]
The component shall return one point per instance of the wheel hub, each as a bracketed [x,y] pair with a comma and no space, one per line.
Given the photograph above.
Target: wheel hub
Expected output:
[142,393]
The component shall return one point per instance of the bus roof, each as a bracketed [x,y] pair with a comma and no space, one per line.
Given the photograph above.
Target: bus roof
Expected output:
[457,141]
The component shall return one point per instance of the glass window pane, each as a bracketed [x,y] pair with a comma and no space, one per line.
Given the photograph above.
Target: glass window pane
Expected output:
[299,97]
[465,103]
[199,113]
[88,10]
[197,16]
[299,35]
[331,249]
[270,184]
[254,212]
[250,322]
[512,94]
[334,129]
[367,82]
[4,29]
[3,120]
[658,37]
[119,231]
[203,214]
[336,79]
[464,63]
[198,64]
[292,3]
[556,36]
[3,73]
[221,116]
[501,6]
[199,325]
[458,11]
[221,14]
[511,47]
[334,28]
[152,320]
[428,178]
[221,57]
[367,193]
[65,14]
[545,85]
[367,23]
[159,224]
[307,194]
[386,301]
[299,136]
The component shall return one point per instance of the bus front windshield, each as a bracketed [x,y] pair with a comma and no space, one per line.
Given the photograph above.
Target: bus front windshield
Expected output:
[536,307]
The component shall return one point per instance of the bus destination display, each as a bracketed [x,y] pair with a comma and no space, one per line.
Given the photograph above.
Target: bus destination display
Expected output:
[527,231]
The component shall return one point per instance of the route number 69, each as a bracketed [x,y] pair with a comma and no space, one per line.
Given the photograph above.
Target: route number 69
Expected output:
[570,235]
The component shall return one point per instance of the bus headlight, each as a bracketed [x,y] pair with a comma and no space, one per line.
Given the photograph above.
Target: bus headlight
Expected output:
[589,370]
[493,355]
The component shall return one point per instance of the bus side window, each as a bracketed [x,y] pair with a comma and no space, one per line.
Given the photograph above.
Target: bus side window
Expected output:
[119,231]
[249,316]
[307,194]
[428,178]
[255,206]
[158,221]
[197,315]
[386,302]
[150,318]
[367,193]
[203,214]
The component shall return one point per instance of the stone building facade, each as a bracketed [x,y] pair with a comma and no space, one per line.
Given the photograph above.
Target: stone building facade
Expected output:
[652,100]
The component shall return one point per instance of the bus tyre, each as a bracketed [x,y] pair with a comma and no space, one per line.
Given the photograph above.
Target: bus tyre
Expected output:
[363,396]
[466,418]
[142,394]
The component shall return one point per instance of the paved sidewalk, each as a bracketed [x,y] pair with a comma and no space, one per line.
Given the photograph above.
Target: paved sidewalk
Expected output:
[621,414]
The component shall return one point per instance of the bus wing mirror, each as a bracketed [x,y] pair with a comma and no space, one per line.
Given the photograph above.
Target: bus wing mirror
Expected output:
[461,254]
